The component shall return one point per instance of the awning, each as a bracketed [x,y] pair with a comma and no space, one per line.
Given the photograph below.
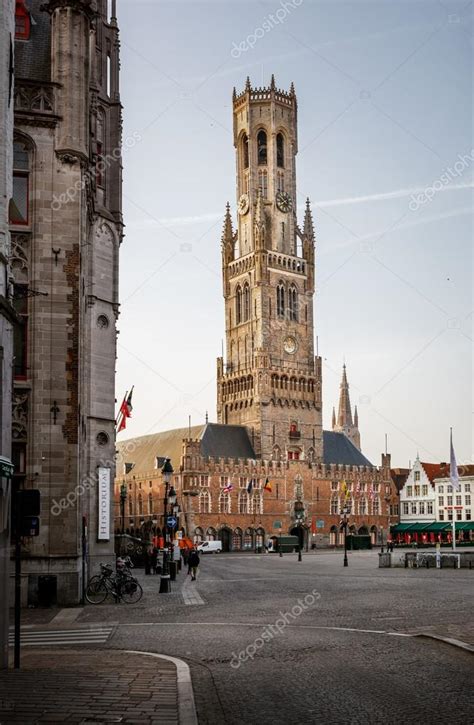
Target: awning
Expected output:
[401,528]
[6,467]
[464,525]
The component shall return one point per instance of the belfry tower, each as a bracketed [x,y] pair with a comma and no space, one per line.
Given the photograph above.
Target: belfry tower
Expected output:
[344,422]
[270,380]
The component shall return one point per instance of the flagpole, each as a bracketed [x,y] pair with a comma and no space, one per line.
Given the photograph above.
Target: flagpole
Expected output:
[120,410]
[450,476]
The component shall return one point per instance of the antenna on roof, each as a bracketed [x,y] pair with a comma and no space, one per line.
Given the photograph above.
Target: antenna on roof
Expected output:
[385,444]
[207,418]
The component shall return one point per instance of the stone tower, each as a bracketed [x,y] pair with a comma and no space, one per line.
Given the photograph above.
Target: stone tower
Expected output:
[344,422]
[66,229]
[270,380]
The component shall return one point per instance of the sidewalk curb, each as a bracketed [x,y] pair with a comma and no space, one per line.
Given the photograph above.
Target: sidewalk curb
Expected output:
[448,640]
[186,706]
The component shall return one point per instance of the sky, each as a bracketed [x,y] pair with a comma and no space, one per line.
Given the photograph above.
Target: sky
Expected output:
[386,157]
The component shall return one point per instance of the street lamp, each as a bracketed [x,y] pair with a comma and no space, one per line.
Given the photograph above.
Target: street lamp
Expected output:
[167,472]
[344,513]
[123,498]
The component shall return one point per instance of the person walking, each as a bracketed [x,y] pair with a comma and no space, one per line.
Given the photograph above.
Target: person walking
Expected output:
[193,562]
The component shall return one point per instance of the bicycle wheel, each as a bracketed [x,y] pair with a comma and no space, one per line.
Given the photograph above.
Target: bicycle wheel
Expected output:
[130,591]
[96,591]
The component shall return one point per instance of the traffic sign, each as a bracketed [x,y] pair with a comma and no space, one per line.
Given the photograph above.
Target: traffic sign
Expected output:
[171,522]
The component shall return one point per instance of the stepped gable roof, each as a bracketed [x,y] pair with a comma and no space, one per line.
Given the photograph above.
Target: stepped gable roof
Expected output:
[435,470]
[144,450]
[337,448]
[33,56]
[226,441]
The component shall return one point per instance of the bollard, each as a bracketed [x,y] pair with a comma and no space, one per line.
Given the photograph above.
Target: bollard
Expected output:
[427,563]
[406,561]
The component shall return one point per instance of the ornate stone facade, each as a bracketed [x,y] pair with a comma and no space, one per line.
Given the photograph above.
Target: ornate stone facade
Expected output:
[66,226]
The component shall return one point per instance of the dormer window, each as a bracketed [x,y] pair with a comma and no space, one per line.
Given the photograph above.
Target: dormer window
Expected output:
[22,21]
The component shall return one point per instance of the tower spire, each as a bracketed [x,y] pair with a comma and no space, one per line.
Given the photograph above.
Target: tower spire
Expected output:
[308,229]
[333,417]
[344,417]
[227,238]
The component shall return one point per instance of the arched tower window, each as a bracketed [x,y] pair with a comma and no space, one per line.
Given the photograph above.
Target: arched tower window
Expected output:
[238,305]
[263,182]
[293,303]
[262,147]
[246,306]
[280,151]
[245,151]
[100,148]
[281,300]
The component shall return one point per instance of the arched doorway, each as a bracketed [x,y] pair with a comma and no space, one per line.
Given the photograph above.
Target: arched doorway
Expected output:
[333,536]
[260,539]
[299,532]
[373,535]
[225,535]
[237,539]
[211,534]
[363,531]
[198,535]
[248,539]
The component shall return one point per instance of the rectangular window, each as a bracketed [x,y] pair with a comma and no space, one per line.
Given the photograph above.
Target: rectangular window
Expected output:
[409,490]
[429,507]
[441,489]
[467,487]
[450,500]
[468,514]
[450,514]
[424,490]
[413,508]
[450,489]
[417,475]
[334,485]
[441,500]
[467,500]
[458,500]
[441,515]
[417,490]
[405,508]
[422,508]
[459,515]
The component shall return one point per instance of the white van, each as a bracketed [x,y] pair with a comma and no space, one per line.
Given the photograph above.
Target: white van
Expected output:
[210,547]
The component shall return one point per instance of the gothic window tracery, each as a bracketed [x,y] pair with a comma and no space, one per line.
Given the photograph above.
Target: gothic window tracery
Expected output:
[238,305]
[281,300]
[204,502]
[246,309]
[245,151]
[293,303]
[263,182]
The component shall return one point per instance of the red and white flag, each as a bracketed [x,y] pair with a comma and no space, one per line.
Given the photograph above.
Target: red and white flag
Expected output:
[125,411]
[358,488]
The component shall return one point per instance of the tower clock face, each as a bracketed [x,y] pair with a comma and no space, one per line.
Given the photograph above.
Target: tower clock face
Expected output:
[283,201]
[290,345]
[244,204]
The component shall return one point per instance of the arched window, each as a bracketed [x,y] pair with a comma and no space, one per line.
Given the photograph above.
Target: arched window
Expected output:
[245,151]
[362,507]
[280,150]
[246,308]
[130,507]
[204,502]
[281,300]
[20,201]
[237,539]
[376,506]
[150,504]
[263,182]
[198,535]
[100,150]
[334,505]
[224,502]
[243,502]
[311,455]
[262,147]
[293,303]
[238,305]
[276,453]
[258,502]
[140,505]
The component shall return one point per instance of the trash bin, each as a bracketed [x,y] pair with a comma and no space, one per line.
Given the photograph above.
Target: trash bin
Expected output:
[47,590]
[173,570]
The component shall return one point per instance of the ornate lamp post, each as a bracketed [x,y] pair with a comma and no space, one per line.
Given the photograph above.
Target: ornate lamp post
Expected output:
[123,498]
[167,471]
[344,513]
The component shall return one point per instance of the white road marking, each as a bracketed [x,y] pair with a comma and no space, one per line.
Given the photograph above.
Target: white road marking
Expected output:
[45,637]
[262,625]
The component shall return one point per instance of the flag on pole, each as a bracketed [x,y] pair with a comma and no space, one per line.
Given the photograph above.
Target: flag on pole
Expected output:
[268,486]
[371,492]
[358,488]
[125,411]
[228,488]
[250,486]
[453,469]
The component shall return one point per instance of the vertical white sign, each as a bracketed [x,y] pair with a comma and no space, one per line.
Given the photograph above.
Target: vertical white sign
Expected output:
[103,521]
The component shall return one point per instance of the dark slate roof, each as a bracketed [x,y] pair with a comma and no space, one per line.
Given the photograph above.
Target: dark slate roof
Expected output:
[337,448]
[33,56]
[226,441]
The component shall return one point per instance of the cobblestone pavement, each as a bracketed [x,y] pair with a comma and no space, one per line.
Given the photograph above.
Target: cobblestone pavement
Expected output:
[349,657]
[82,686]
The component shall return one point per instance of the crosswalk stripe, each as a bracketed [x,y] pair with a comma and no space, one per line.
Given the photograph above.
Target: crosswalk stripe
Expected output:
[90,635]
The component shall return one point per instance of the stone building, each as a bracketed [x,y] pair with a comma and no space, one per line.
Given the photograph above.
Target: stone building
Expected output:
[66,228]
[269,386]
[7,314]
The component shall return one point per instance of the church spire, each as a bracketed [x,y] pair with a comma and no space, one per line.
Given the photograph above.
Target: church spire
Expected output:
[308,229]
[344,417]
[356,417]
[333,417]
[227,238]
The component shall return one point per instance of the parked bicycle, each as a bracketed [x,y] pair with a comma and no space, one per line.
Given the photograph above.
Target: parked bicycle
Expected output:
[122,587]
